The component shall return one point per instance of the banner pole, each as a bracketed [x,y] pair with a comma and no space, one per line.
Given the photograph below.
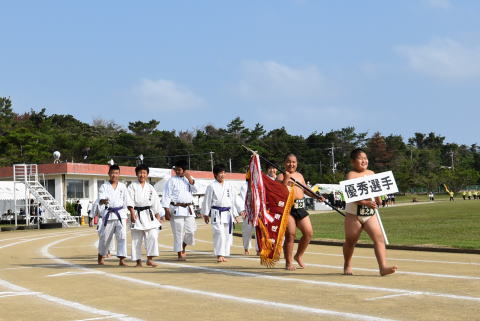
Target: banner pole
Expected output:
[381,226]
[293,179]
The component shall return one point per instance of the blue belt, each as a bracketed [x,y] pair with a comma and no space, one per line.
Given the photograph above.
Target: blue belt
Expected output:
[115,211]
[230,222]
[221,209]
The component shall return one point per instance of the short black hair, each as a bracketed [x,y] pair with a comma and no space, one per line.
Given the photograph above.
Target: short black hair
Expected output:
[218,169]
[271,166]
[181,164]
[287,155]
[357,151]
[142,167]
[113,168]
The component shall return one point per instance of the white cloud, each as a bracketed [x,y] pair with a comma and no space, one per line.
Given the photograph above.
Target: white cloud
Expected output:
[166,95]
[443,58]
[273,82]
[441,4]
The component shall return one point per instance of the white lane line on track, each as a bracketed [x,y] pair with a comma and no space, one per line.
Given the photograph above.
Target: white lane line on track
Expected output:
[337,267]
[99,318]
[435,275]
[74,273]
[324,283]
[389,296]
[69,304]
[7,294]
[17,268]
[222,296]
[396,259]
[30,236]
[34,239]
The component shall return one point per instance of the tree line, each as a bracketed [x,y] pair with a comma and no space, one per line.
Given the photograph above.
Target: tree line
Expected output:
[422,162]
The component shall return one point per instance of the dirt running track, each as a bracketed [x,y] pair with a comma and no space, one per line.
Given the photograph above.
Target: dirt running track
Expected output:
[52,275]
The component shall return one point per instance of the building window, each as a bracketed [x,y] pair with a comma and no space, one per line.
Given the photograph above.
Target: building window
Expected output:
[77,188]
[100,182]
[49,186]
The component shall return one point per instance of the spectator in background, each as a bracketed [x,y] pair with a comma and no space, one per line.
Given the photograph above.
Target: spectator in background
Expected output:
[78,208]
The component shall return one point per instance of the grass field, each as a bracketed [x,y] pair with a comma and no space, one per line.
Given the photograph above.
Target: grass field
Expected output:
[441,223]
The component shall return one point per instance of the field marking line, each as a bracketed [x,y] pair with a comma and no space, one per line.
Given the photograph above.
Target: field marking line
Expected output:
[74,273]
[325,283]
[395,259]
[17,268]
[435,275]
[265,303]
[99,318]
[389,296]
[35,239]
[67,303]
[30,236]
[7,294]
[337,267]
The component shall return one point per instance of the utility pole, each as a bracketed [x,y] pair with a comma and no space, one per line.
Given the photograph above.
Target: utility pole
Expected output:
[452,153]
[211,159]
[332,153]
[230,163]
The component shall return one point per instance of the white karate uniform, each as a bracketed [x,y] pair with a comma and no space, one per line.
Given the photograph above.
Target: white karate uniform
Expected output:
[146,226]
[114,225]
[247,229]
[219,204]
[179,190]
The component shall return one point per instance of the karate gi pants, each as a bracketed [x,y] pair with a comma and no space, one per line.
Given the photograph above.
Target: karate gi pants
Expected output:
[112,247]
[150,237]
[183,230]
[117,228]
[222,239]
[247,230]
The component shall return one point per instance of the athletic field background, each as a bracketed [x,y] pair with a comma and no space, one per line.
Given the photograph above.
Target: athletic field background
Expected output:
[440,223]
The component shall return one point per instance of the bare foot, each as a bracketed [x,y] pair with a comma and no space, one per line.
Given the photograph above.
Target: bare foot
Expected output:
[100,260]
[182,257]
[299,260]
[347,270]
[246,252]
[220,259]
[139,263]
[151,263]
[290,267]
[224,259]
[388,270]
[122,263]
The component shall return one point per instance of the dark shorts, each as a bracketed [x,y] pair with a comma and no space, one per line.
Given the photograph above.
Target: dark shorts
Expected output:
[298,213]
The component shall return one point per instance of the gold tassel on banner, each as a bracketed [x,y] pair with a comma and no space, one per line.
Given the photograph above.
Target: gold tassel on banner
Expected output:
[270,253]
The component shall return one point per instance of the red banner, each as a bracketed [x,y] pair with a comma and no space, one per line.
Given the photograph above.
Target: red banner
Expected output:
[268,205]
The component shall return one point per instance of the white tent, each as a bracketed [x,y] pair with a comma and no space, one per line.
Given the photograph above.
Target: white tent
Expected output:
[7,195]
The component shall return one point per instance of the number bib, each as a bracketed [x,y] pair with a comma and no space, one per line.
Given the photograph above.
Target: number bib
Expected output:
[365,211]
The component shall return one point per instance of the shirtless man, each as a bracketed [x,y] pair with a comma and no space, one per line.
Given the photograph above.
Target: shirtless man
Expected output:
[360,216]
[298,215]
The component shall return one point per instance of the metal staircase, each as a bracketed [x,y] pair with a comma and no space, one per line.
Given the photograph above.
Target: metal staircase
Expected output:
[53,211]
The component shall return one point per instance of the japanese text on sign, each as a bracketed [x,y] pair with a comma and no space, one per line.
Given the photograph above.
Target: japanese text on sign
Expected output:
[369,186]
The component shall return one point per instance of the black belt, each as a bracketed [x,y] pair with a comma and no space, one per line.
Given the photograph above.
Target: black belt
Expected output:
[181,204]
[144,208]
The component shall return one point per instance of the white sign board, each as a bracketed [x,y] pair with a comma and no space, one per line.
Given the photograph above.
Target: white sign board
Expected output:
[369,186]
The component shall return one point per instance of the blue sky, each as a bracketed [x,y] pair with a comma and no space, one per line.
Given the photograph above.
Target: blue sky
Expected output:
[397,67]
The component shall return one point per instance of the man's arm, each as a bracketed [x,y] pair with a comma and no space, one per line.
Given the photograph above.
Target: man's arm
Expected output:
[131,203]
[207,203]
[166,199]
